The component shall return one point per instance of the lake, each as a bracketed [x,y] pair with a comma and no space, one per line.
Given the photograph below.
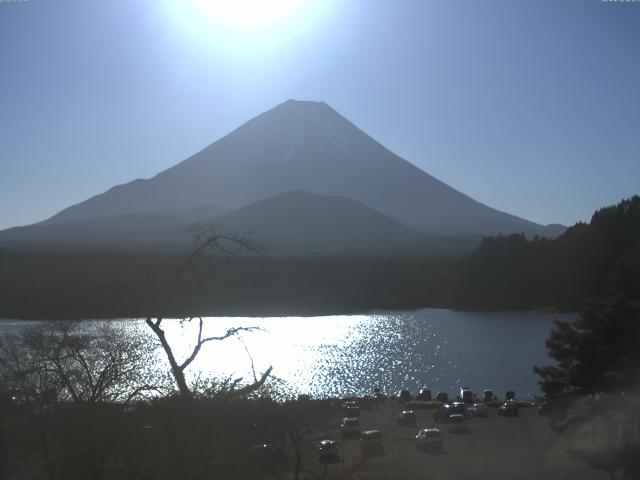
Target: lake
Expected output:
[350,354]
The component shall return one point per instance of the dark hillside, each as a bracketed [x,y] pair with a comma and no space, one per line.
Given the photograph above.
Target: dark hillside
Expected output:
[91,285]
[511,272]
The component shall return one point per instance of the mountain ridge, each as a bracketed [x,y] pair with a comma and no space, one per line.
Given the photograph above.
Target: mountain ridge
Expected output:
[307,223]
[308,146]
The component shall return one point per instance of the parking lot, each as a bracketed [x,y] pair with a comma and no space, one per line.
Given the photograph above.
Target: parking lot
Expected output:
[496,447]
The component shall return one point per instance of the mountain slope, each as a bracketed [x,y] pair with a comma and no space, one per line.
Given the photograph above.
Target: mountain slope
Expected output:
[292,223]
[299,222]
[303,146]
[159,231]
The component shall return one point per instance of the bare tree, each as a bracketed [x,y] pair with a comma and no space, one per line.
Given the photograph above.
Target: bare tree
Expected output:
[59,361]
[178,369]
[62,387]
[209,239]
[213,239]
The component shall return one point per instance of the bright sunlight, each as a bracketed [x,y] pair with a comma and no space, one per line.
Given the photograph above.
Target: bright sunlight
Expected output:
[247,13]
[242,27]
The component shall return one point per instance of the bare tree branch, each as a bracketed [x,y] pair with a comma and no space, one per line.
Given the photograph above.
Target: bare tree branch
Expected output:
[246,390]
[209,238]
[253,369]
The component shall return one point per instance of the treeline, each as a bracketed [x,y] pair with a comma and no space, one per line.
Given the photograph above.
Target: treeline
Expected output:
[503,272]
[91,285]
[511,272]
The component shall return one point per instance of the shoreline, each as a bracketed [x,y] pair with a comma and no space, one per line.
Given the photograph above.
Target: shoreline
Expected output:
[340,313]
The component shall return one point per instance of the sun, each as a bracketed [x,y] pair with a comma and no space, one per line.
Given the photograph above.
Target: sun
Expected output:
[247,13]
[245,27]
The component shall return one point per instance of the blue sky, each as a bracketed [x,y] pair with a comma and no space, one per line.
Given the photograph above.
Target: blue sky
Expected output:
[532,107]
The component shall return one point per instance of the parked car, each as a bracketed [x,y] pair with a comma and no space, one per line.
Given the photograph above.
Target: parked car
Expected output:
[510,396]
[406,417]
[466,395]
[429,438]
[443,413]
[442,397]
[478,410]
[328,451]
[457,424]
[404,395]
[424,394]
[508,409]
[350,427]
[488,396]
[371,442]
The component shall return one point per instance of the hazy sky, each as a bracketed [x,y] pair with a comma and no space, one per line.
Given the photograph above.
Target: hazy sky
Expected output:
[532,107]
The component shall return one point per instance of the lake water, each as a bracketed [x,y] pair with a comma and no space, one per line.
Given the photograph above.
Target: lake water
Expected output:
[350,354]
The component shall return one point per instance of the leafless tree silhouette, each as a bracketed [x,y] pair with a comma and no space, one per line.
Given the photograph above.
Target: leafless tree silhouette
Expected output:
[209,239]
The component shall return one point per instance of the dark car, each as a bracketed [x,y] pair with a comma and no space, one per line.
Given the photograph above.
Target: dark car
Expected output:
[466,395]
[404,396]
[350,426]
[407,418]
[424,394]
[371,443]
[488,396]
[328,451]
[508,409]
[442,397]
[429,438]
[447,409]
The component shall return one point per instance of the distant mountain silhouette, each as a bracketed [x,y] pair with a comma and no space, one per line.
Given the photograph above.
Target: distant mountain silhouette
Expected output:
[298,145]
[109,232]
[128,231]
[289,223]
[301,222]
[553,230]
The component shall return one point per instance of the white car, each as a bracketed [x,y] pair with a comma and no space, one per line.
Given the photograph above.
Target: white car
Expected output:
[478,410]
[429,438]
[457,424]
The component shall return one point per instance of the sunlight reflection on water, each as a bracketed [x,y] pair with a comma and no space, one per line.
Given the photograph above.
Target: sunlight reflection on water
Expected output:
[349,354]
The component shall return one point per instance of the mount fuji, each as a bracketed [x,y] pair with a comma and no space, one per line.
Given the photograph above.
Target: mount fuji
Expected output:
[280,168]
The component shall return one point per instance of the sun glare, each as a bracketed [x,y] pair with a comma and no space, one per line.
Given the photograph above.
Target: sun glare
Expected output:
[239,27]
[247,13]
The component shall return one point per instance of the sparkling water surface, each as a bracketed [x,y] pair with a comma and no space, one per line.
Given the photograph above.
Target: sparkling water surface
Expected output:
[350,354]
